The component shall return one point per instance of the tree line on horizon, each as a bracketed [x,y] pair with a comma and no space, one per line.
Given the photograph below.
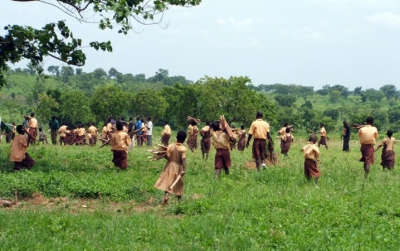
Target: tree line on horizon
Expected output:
[75,96]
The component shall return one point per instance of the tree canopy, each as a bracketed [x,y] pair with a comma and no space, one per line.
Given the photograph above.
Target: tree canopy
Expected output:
[56,40]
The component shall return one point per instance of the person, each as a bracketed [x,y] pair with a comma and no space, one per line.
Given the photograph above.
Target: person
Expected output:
[311,154]
[109,128]
[8,129]
[192,131]
[80,135]
[18,154]
[205,140]
[346,136]
[33,126]
[54,127]
[63,134]
[322,133]
[119,146]
[242,139]
[139,133]
[220,141]
[93,132]
[287,140]
[259,129]
[174,169]
[166,134]
[367,135]
[388,157]
[131,126]
[25,123]
[14,130]
[42,136]
[149,132]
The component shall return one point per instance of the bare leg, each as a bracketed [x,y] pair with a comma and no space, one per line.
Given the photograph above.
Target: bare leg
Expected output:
[366,169]
[217,172]
[206,156]
[258,163]
[166,197]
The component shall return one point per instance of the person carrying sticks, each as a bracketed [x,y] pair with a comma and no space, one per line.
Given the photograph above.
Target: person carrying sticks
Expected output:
[192,131]
[259,129]
[119,146]
[221,136]
[171,179]
[205,140]
[18,154]
[286,142]
[166,134]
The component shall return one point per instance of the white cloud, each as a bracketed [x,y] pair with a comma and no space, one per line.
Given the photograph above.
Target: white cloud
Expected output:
[241,23]
[385,18]
[220,21]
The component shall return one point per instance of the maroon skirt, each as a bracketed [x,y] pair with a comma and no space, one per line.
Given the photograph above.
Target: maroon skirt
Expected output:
[205,145]
[222,159]
[27,163]
[120,159]
[387,159]
[241,144]
[165,139]
[311,169]
[367,152]
[259,149]
[192,142]
[323,141]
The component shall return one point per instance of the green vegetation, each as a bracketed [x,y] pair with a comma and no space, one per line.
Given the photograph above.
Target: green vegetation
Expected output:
[73,199]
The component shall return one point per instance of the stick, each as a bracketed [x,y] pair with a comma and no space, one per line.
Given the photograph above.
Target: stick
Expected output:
[176,181]
[29,136]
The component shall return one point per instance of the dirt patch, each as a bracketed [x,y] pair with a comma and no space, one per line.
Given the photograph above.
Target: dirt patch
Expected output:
[250,164]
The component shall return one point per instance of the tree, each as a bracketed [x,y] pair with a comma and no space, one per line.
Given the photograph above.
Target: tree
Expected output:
[109,100]
[331,113]
[394,114]
[99,73]
[112,72]
[390,91]
[66,73]
[56,40]
[149,103]
[285,100]
[74,107]
[334,95]
[45,106]
[54,70]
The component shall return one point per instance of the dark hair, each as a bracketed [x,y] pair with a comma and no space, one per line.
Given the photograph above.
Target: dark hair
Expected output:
[208,123]
[165,122]
[259,114]
[40,129]
[148,118]
[20,129]
[389,133]
[181,136]
[242,127]
[53,117]
[285,124]
[287,129]
[119,125]
[215,126]
[138,118]
[321,125]
[130,118]
[313,138]
[370,120]
[193,122]
[32,114]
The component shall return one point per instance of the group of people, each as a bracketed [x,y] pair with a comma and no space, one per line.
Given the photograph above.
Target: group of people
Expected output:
[119,135]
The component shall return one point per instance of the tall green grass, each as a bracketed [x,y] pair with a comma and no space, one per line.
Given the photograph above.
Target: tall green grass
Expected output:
[245,210]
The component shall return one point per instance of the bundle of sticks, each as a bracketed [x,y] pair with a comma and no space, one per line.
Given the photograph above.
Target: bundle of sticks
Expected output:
[159,152]
[225,127]
[198,121]
[270,156]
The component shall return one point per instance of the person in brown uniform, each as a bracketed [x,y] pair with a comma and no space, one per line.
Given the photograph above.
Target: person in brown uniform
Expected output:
[287,140]
[242,139]
[259,129]
[220,141]
[388,157]
[205,140]
[174,170]
[119,142]
[166,134]
[93,132]
[311,154]
[33,127]
[367,135]
[63,134]
[192,131]
[322,133]
[19,155]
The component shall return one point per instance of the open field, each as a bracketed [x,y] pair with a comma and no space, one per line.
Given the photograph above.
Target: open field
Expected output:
[73,199]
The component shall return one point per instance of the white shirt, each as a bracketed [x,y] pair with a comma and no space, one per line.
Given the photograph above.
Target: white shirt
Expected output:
[149,128]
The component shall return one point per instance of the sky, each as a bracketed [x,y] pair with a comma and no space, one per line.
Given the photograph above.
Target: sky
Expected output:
[303,42]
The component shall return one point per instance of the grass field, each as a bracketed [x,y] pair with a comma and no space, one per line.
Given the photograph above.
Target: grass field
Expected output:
[73,199]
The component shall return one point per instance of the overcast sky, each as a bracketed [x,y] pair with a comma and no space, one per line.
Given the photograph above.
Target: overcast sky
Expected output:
[305,42]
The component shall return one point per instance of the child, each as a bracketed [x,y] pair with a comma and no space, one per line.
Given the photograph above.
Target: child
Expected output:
[42,136]
[119,146]
[19,155]
[311,154]
[176,165]
[220,141]
[286,141]
[387,151]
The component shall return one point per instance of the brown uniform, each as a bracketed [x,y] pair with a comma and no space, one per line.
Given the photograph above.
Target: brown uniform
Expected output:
[63,134]
[220,141]
[287,140]
[165,135]
[33,126]
[192,140]
[119,146]
[176,152]
[259,130]
[322,140]
[206,139]
[367,135]
[388,157]
[311,154]
[242,141]
[19,155]
[93,132]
